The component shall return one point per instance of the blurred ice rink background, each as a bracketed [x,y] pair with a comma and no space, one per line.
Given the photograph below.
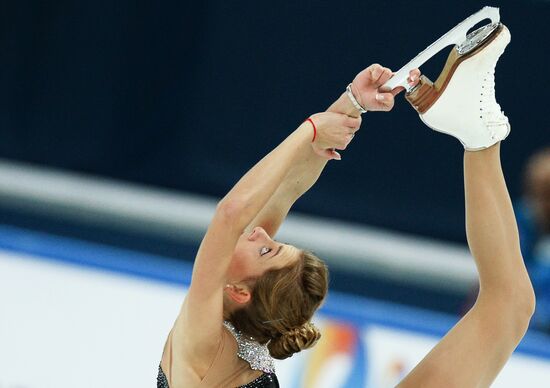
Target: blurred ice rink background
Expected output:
[77,314]
[122,123]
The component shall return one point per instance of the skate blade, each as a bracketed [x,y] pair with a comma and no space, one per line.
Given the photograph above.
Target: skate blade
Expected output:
[425,93]
[457,36]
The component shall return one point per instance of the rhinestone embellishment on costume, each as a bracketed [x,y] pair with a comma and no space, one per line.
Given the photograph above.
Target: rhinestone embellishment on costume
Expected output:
[251,351]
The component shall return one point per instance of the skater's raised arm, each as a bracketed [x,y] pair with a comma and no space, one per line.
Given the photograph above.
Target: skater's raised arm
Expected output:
[229,255]
[363,94]
[249,196]
[303,174]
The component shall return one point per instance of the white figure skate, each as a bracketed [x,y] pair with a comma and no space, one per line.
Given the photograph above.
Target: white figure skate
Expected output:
[462,100]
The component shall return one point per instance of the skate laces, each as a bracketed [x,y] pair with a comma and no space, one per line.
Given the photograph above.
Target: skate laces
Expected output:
[490,111]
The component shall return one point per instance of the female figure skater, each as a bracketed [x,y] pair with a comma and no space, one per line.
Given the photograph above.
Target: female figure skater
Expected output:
[251,297]
[267,292]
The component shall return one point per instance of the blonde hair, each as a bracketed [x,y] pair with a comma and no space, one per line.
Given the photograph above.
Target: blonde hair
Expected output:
[282,305]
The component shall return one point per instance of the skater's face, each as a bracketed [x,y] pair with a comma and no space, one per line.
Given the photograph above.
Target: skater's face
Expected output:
[256,252]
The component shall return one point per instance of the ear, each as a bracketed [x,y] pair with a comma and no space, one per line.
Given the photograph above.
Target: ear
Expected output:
[239,293]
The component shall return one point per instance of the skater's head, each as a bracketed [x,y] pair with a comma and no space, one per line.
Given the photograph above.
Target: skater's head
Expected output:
[273,291]
[537,180]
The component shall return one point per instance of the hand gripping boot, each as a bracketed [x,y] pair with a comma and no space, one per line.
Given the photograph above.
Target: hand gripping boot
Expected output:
[462,101]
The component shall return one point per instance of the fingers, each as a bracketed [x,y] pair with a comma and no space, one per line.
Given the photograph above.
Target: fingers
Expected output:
[375,71]
[348,138]
[379,74]
[414,76]
[330,154]
[327,153]
[334,155]
[352,122]
[385,101]
[384,77]
[412,79]
[335,131]
[397,90]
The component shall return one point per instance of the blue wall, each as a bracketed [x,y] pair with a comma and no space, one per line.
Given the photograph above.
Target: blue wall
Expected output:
[188,95]
[339,306]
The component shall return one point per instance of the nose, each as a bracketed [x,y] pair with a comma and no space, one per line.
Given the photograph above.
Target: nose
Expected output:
[258,233]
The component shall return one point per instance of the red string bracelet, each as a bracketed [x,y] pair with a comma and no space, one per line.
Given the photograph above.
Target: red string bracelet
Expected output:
[314,128]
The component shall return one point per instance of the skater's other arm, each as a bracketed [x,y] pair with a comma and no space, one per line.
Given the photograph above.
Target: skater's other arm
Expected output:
[306,171]
[303,174]
[202,310]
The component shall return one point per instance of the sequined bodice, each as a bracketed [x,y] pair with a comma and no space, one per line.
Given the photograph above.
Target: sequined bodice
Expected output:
[255,354]
[162,381]
[267,380]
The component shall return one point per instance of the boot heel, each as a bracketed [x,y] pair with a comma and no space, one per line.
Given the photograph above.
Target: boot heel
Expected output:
[423,95]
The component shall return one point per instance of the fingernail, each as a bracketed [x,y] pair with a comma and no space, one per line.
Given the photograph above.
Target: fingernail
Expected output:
[379,97]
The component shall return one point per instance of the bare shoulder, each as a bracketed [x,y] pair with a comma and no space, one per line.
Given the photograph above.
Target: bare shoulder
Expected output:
[189,351]
[196,337]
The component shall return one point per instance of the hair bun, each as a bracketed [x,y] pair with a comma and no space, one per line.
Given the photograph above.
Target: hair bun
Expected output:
[294,340]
